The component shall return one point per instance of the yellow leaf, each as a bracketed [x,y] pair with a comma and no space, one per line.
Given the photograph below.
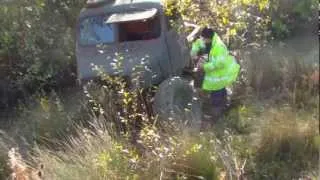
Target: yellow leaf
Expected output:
[246,2]
[45,104]
[233,32]
[224,20]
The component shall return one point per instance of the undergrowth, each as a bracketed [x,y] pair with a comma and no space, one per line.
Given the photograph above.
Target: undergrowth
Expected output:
[261,143]
[109,132]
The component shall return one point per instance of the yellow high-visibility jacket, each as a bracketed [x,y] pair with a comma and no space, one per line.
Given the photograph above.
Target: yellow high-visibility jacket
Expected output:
[221,69]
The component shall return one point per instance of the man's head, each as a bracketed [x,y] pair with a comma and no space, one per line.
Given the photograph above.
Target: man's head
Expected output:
[207,34]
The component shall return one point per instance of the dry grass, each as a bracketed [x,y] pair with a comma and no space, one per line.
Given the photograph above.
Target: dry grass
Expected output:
[286,147]
[285,71]
[78,157]
[20,170]
[282,148]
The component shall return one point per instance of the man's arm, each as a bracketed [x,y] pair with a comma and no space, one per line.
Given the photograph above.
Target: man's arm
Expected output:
[214,63]
[197,46]
[195,31]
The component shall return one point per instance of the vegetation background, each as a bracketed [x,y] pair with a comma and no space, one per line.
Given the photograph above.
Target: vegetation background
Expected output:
[271,132]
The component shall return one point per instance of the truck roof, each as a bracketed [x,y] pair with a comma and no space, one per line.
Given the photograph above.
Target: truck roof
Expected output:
[120,6]
[118,2]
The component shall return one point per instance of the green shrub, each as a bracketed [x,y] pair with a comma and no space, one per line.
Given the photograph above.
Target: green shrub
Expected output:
[3,166]
[194,158]
[286,148]
[37,45]
[241,118]
[237,22]
[281,72]
[289,17]
[47,118]
[121,138]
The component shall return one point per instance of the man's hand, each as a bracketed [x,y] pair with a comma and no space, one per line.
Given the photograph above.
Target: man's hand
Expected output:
[200,60]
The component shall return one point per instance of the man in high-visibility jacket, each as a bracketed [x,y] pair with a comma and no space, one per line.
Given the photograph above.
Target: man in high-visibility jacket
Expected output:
[220,68]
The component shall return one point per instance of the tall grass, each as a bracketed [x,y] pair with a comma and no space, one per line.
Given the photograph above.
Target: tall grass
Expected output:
[282,147]
[284,72]
[93,154]
[287,146]
[113,135]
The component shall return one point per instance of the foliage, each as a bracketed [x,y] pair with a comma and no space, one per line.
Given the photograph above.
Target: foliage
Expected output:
[243,23]
[5,143]
[36,45]
[287,148]
[238,22]
[46,118]
[93,155]
[284,71]
[289,16]
[3,167]
[97,150]
[110,145]
[241,118]
[149,150]
[120,138]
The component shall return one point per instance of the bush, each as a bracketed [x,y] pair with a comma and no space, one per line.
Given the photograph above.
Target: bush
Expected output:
[281,72]
[240,118]
[159,150]
[47,118]
[293,17]
[3,167]
[120,137]
[93,155]
[36,46]
[287,146]
[237,22]
[90,155]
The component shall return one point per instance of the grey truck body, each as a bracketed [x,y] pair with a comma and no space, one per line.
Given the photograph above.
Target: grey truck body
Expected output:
[156,54]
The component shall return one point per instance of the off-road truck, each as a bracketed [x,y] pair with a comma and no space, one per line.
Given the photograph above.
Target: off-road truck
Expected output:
[139,34]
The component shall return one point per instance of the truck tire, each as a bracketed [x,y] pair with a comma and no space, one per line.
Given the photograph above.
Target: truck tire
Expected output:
[177,101]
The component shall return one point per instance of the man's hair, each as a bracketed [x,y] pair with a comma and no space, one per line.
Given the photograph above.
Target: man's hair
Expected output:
[207,33]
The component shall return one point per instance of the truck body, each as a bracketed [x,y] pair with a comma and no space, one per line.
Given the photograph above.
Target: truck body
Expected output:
[129,38]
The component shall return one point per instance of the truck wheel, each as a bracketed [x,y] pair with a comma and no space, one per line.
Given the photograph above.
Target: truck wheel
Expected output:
[177,101]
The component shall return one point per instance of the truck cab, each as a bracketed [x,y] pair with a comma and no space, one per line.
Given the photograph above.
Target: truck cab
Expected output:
[129,37]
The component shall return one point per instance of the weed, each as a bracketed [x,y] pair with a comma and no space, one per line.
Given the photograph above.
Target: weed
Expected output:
[287,147]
